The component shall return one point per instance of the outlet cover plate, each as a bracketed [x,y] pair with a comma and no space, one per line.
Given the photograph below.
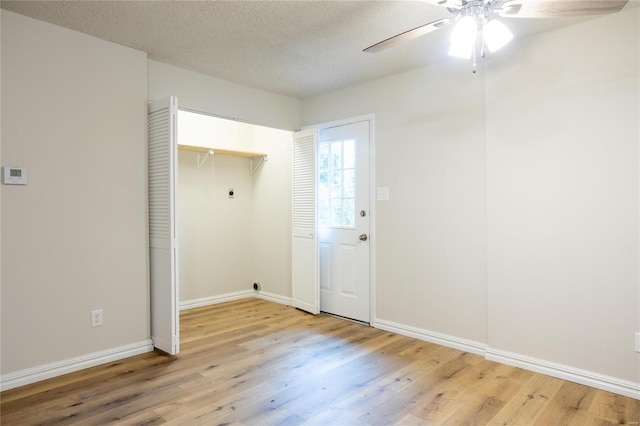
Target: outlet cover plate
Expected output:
[382,193]
[638,341]
[96,318]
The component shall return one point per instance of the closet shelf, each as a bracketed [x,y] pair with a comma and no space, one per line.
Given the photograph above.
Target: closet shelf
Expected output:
[260,157]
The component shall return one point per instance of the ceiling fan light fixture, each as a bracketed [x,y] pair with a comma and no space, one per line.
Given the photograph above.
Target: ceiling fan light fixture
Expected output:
[496,35]
[463,37]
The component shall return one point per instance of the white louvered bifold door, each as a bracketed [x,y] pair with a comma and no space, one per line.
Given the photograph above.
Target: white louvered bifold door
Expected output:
[162,227]
[304,250]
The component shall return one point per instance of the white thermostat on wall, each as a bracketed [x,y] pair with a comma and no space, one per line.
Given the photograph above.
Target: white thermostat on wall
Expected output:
[14,175]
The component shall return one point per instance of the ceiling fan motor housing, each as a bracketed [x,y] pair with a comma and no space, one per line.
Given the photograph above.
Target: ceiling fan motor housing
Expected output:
[478,9]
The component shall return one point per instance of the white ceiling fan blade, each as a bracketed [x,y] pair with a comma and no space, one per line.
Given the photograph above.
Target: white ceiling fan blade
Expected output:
[408,35]
[451,4]
[558,8]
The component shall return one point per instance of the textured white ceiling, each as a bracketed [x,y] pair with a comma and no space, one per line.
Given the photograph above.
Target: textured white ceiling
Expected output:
[296,48]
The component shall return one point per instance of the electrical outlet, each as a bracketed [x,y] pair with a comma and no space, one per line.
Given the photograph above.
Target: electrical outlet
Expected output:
[96,318]
[637,341]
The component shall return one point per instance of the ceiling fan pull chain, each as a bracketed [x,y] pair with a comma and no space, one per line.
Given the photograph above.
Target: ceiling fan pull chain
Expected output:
[483,52]
[475,67]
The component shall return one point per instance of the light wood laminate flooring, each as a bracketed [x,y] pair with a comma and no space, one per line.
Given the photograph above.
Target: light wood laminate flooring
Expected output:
[253,362]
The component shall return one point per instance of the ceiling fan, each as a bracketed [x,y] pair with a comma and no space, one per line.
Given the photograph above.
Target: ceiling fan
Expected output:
[475,18]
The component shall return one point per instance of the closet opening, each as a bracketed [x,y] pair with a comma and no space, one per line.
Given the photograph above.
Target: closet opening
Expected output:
[233,211]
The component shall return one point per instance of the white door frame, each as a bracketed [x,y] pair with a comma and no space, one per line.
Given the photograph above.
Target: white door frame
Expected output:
[372,199]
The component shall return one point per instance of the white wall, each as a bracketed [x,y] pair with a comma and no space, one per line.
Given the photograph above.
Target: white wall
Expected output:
[228,244]
[543,225]
[271,219]
[562,159]
[206,94]
[430,235]
[206,131]
[74,239]
[214,230]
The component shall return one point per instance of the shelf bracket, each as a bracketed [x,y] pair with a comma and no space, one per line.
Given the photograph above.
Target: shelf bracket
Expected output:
[204,160]
[261,160]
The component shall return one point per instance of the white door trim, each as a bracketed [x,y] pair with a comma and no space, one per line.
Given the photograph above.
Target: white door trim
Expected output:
[372,199]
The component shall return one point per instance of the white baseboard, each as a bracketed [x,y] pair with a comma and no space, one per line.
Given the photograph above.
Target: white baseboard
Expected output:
[572,374]
[431,336]
[212,300]
[588,378]
[273,297]
[565,372]
[54,369]
[47,371]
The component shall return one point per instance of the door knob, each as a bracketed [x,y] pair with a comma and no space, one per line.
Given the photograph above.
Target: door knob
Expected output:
[363,237]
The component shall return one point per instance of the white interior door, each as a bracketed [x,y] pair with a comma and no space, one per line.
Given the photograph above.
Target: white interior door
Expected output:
[163,155]
[305,292]
[343,216]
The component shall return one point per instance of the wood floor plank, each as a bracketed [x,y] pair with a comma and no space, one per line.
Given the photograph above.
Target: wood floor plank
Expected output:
[615,409]
[444,391]
[254,362]
[571,404]
[526,406]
